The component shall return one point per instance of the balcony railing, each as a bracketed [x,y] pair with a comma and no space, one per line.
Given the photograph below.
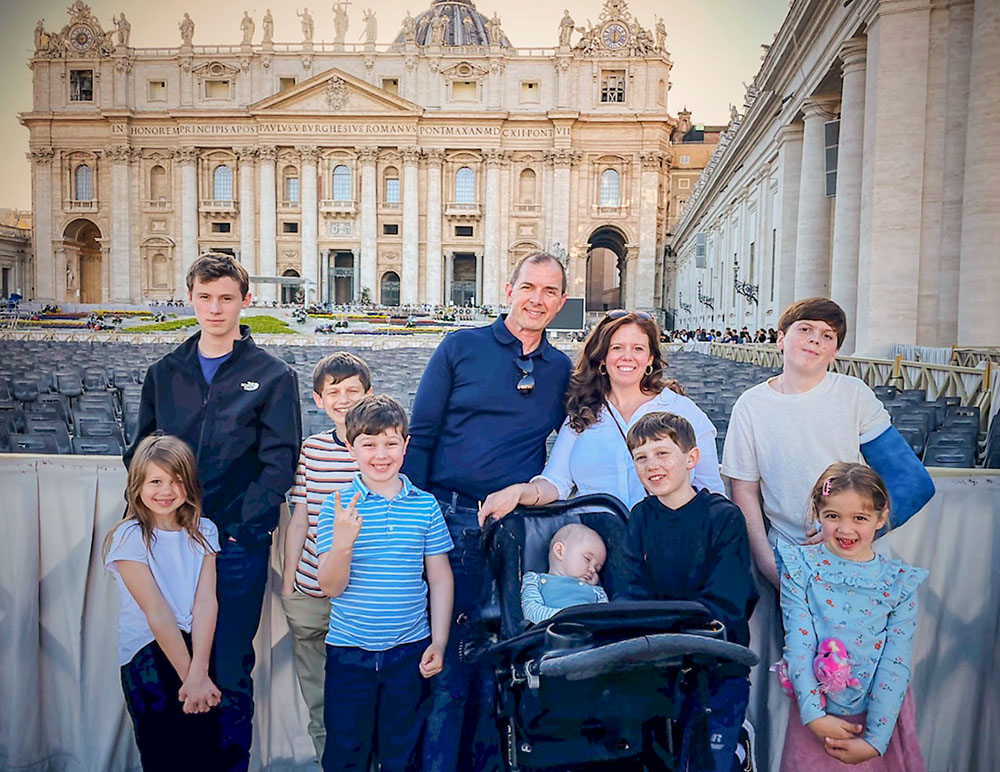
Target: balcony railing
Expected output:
[338,206]
[158,204]
[461,209]
[610,211]
[288,205]
[527,210]
[218,205]
[81,206]
[394,206]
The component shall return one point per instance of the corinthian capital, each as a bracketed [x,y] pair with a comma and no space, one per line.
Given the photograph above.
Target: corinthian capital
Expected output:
[308,153]
[41,155]
[434,155]
[494,156]
[267,154]
[410,154]
[121,154]
[185,155]
[651,160]
[368,154]
[246,154]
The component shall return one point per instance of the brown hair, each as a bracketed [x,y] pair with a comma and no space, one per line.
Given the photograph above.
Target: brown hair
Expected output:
[659,425]
[216,265]
[589,387]
[538,257]
[339,366]
[819,309]
[374,415]
[845,476]
[175,458]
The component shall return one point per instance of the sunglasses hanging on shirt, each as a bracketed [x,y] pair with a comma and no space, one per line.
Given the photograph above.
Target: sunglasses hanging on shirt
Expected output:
[526,367]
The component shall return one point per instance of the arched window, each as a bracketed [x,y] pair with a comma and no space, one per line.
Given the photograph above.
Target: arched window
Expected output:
[341,183]
[83,183]
[222,183]
[465,186]
[158,184]
[390,185]
[609,188]
[290,185]
[526,187]
[390,289]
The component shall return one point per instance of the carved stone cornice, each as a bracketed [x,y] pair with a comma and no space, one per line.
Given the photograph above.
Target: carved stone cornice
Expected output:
[309,154]
[185,155]
[246,154]
[368,154]
[651,161]
[267,154]
[433,155]
[410,154]
[42,155]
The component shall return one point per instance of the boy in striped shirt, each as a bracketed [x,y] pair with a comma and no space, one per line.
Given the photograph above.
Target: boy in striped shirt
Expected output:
[376,539]
[340,381]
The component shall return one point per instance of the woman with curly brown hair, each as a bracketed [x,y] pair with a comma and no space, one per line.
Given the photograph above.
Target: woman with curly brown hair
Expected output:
[618,378]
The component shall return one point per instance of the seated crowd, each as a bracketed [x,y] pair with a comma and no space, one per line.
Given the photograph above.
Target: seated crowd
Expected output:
[383,574]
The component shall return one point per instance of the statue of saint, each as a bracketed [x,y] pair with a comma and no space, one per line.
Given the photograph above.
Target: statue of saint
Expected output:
[340,22]
[494,31]
[438,26]
[566,26]
[661,34]
[308,28]
[371,25]
[247,27]
[409,28]
[41,38]
[124,29]
[268,27]
[187,30]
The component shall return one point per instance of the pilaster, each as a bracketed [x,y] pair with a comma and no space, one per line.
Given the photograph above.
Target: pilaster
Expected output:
[410,278]
[267,155]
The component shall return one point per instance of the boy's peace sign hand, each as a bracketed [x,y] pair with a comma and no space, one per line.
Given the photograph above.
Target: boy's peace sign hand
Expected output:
[346,520]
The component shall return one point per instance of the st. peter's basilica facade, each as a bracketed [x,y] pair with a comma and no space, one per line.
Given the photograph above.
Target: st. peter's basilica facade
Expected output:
[416,171]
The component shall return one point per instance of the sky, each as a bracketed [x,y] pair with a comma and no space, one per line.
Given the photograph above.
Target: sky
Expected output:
[715,46]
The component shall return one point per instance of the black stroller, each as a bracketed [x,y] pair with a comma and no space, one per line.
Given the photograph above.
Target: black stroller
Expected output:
[597,686]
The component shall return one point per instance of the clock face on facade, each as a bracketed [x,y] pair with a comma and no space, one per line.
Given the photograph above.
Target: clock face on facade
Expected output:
[82,37]
[615,35]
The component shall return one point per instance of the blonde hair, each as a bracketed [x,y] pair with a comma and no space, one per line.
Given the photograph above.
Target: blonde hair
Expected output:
[845,476]
[175,458]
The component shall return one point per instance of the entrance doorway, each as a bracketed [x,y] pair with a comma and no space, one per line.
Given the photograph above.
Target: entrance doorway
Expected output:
[389,289]
[463,279]
[606,270]
[84,249]
[289,292]
[341,278]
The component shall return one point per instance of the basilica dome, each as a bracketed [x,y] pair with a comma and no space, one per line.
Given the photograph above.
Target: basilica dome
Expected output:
[465,26]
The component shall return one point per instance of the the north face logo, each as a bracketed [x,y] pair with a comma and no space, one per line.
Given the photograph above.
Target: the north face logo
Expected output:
[250,385]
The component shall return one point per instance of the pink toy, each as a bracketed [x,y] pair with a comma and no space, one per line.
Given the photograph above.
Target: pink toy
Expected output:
[832,667]
[780,669]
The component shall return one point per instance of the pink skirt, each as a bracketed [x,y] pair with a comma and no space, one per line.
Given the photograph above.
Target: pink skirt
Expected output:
[803,750]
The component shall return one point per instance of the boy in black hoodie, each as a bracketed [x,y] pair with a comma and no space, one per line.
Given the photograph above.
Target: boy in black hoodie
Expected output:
[691,545]
[238,408]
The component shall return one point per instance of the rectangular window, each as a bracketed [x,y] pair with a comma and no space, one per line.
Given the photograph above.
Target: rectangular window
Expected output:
[699,250]
[463,230]
[750,273]
[289,227]
[683,184]
[390,229]
[685,159]
[221,227]
[217,89]
[81,85]
[774,257]
[612,86]
[392,190]
[391,85]
[156,91]
[530,92]
[464,91]
[285,83]
[831,140]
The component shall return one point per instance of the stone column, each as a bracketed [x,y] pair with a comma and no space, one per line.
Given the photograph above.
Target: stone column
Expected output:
[410,278]
[847,215]
[42,201]
[789,172]
[893,195]
[369,238]
[643,286]
[491,228]
[188,158]
[310,255]
[433,257]
[268,265]
[248,230]
[813,226]
[562,160]
[121,222]
[979,277]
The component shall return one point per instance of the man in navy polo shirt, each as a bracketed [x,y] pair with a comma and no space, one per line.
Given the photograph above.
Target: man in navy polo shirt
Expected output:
[486,403]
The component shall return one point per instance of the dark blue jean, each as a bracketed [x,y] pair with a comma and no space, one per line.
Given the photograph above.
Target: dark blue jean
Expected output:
[374,708]
[461,730]
[728,702]
[242,576]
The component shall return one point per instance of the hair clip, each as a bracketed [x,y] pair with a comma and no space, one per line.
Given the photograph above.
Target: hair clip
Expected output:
[827,485]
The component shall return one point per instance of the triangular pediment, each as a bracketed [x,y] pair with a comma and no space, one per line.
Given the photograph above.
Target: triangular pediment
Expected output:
[334,92]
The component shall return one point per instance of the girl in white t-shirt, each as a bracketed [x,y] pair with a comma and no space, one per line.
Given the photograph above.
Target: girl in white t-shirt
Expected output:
[163,558]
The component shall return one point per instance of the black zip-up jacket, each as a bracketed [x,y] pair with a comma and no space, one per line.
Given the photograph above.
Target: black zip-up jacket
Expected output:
[245,430]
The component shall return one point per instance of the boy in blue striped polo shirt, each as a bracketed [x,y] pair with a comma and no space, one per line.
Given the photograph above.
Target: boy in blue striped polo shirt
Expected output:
[373,554]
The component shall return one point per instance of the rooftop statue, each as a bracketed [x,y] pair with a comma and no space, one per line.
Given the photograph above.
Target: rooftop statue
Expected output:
[340,22]
[371,26]
[409,28]
[187,30]
[124,29]
[247,27]
[566,25]
[268,26]
[308,27]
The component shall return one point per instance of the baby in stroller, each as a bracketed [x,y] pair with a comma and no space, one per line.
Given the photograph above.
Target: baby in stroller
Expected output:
[576,557]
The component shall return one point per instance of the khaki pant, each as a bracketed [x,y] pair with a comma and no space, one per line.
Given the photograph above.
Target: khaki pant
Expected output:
[309,620]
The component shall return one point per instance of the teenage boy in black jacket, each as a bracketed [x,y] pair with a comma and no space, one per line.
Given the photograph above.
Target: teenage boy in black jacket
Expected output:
[237,407]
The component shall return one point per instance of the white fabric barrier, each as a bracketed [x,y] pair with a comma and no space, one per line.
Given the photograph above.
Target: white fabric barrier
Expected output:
[61,705]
